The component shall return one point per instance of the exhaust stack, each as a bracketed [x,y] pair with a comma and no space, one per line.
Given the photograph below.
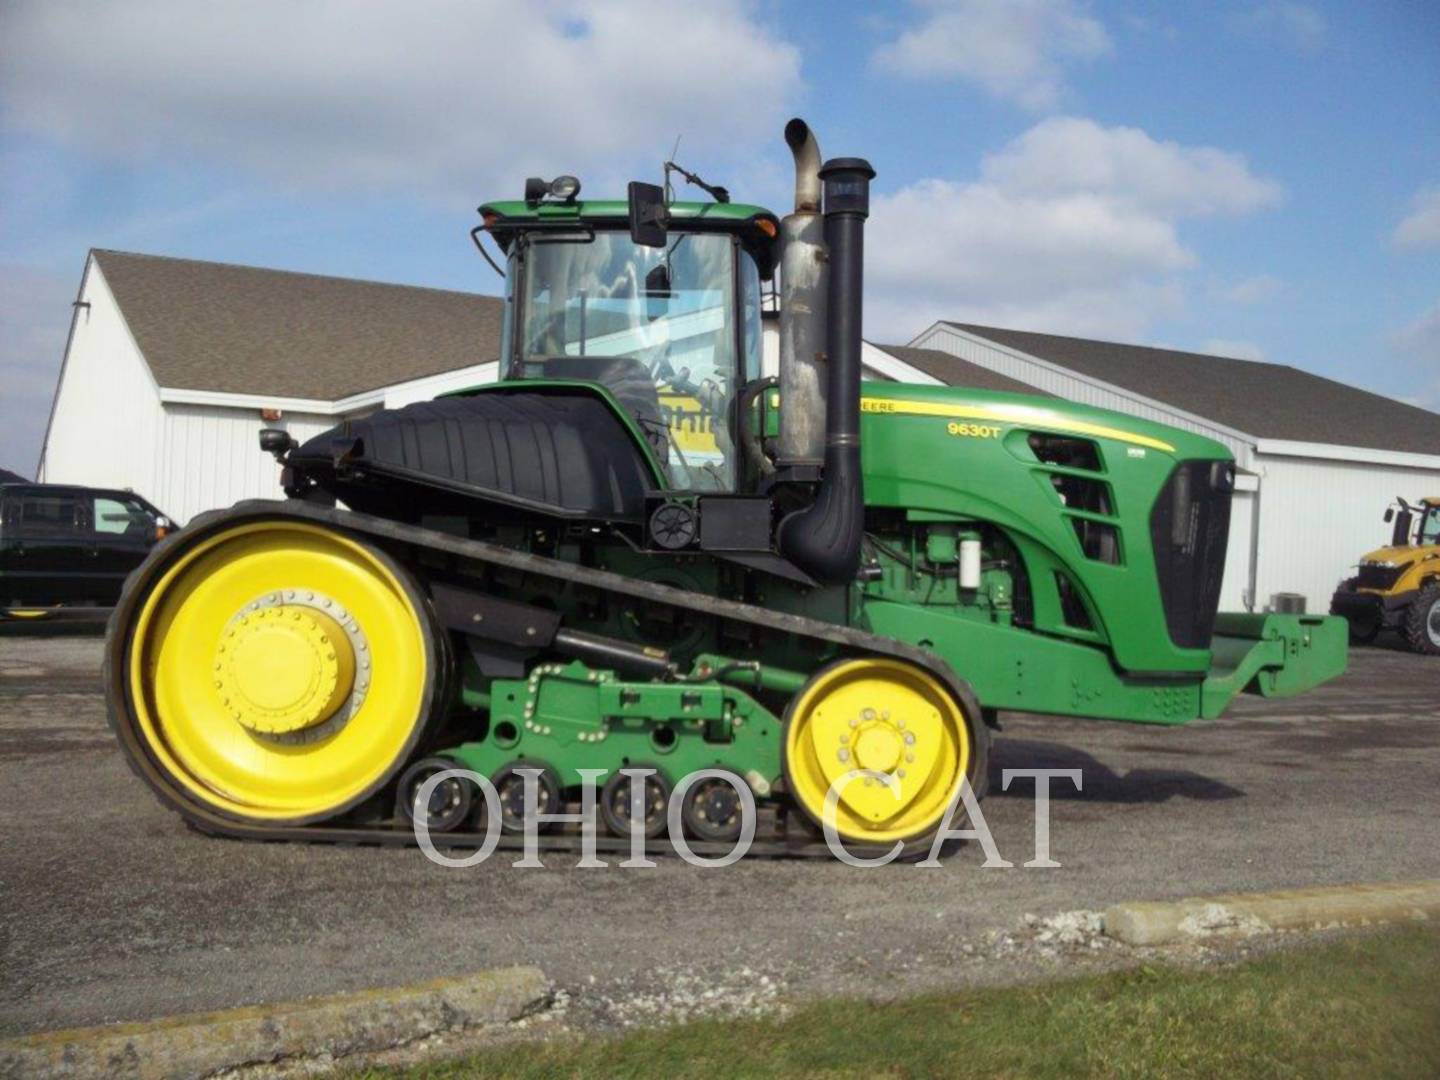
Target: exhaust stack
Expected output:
[804,285]
[824,538]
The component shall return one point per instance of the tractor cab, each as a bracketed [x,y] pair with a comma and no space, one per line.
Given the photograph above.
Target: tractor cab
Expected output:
[1415,525]
[670,327]
[630,387]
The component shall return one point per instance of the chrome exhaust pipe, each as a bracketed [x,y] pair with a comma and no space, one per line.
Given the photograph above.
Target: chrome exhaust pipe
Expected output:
[806,151]
[804,291]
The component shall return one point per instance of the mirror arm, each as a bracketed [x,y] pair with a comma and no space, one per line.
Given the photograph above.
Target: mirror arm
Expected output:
[480,247]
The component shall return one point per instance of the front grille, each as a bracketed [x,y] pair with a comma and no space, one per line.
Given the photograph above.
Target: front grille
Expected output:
[1189,528]
[1377,577]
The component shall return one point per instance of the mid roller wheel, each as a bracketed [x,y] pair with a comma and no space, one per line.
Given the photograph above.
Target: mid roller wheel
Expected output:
[714,810]
[617,803]
[276,671]
[450,802]
[510,785]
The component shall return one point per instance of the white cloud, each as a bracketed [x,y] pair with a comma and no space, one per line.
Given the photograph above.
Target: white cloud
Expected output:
[434,97]
[1418,345]
[1297,25]
[1421,227]
[1237,350]
[32,338]
[1251,290]
[1068,154]
[1016,51]
[1071,227]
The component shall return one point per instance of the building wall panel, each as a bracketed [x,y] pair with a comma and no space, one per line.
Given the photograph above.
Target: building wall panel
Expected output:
[1318,517]
[105,423]
[1235,589]
[211,457]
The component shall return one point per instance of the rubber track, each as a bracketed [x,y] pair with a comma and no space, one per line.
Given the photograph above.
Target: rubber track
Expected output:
[393,534]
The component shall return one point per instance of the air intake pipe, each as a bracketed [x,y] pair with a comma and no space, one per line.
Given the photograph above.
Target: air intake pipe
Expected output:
[824,538]
[804,282]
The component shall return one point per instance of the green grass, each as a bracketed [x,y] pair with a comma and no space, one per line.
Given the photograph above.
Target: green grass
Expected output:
[1368,1005]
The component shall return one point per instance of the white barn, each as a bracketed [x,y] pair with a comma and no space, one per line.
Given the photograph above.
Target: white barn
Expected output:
[1319,461]
[173,366]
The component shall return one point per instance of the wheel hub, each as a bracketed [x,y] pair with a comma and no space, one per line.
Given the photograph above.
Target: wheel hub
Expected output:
[878,746]
[289,663]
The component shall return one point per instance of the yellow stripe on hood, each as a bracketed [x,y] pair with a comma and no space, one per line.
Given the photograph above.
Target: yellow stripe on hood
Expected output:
[1014,414]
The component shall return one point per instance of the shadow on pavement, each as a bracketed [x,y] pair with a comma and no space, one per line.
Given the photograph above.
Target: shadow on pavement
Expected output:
[1102,784]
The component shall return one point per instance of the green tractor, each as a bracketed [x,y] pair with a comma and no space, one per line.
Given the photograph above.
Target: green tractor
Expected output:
[636,551]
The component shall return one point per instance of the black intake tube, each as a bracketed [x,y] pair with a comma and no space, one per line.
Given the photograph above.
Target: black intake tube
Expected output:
[824,538]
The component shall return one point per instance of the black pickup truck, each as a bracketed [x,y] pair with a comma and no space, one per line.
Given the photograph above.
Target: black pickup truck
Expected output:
[65,551]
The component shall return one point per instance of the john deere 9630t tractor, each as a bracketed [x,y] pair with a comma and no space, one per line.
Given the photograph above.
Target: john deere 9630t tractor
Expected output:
[636,550]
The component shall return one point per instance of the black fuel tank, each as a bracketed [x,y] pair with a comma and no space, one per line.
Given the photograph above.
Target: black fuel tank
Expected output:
[562,452]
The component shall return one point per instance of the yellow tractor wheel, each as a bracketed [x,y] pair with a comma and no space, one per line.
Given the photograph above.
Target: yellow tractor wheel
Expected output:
[893,721]
[277,671]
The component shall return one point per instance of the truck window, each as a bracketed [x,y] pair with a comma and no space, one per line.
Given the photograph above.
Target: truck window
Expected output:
[122,517]
[48,515]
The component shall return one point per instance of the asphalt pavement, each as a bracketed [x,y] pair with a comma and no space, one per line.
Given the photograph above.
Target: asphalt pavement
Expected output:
[111,909]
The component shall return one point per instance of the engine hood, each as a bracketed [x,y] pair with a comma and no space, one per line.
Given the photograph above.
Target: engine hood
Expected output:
[1396,556]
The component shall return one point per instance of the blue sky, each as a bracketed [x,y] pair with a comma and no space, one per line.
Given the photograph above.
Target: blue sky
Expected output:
[1257,178]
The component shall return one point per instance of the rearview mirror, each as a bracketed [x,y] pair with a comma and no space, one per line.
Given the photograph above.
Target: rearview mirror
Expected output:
[1389,515]
[648,215]
[657,292]
[657,282]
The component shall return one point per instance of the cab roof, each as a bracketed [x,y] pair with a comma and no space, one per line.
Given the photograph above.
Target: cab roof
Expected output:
[505,218]
[613,210]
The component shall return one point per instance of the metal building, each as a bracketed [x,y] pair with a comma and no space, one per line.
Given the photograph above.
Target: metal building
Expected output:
[173,366]
[1319,461]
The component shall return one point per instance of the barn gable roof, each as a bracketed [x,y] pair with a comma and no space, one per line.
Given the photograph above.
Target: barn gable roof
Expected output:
[246,330]
[953,371]
[1265,400]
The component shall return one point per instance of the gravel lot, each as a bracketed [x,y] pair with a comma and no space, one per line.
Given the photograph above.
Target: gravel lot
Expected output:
[113,910]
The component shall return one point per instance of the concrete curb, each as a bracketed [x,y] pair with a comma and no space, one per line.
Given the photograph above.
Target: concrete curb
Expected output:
[1154,923]
[320,1027]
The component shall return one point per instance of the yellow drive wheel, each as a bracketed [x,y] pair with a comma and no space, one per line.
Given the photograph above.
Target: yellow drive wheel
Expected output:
[279,671]
[881,716]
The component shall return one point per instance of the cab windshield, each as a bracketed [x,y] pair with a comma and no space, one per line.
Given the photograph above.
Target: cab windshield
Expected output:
[656,326]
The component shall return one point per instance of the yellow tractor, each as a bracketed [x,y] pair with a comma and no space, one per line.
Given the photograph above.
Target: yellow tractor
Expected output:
[1398,587]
